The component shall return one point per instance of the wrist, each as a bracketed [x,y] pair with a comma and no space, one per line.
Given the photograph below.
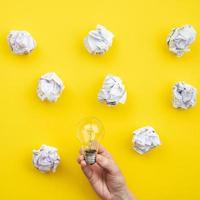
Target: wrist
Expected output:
[124,194]
[127,195]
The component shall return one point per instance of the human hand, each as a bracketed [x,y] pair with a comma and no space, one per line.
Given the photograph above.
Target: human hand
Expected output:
[105,177]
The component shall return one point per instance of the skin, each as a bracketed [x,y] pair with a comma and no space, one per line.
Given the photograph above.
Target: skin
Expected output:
[105,177]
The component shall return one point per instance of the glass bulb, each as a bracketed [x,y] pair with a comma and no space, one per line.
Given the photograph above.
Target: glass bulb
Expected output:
[90,132]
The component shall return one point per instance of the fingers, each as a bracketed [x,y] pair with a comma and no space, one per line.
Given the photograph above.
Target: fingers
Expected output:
[85,168]
[104,159]
[107,164]
[101,151]
[80,159]
[104,152]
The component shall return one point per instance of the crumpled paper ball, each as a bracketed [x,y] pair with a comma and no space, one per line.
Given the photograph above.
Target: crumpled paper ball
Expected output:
[113,91]
[184,95]
[99,40]
[180,39]
[50,87]
[145,139]
[46,159]
[21,42]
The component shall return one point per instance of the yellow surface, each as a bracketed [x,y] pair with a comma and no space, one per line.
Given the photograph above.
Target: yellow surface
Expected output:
[139,56]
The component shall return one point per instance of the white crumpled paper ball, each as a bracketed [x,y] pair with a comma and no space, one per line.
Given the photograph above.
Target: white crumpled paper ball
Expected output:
[184,95]
[21,42]
[50,87]
[46,159]
[99,40]
[113,91]
[180,39]
[145,139]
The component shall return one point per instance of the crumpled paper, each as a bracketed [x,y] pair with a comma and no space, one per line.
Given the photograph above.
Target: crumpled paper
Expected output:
[180,39]
[99,40]
[46,159]
[21,42]
[145,139]
[184,95]
[50,87]
[113,91]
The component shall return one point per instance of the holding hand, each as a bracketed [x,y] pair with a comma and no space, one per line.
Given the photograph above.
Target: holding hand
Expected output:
[105,177]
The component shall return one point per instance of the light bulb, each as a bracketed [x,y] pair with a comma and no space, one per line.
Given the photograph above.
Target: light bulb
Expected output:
[90,132]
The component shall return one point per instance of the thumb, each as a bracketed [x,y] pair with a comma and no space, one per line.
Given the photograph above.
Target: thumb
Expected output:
[107,164]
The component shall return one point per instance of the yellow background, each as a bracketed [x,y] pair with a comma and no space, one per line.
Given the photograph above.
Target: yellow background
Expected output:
[139,56]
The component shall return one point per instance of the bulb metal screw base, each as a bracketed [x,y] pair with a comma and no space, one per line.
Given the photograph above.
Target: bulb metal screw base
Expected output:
[90,156]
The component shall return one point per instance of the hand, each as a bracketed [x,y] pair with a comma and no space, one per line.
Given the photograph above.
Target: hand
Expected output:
[105,177]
